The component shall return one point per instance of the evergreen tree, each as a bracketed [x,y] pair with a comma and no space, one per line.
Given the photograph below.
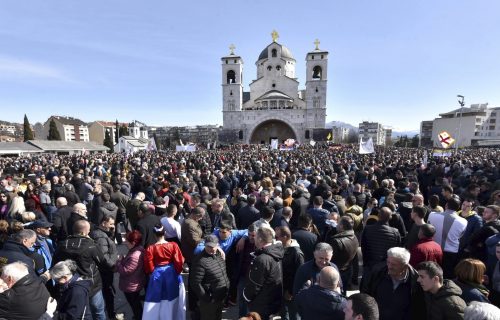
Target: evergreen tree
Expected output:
[157,142]
[414,141]
[53,132]
[108,142]
[123,131]
[28,133]
[117,127]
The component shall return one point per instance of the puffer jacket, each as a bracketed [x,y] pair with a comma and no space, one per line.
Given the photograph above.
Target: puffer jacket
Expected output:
[345,246]
[263,290]
[293,258]
[328,304]
[107,246]
[73,302]
[86,254]
[446,303]
[208,277]
[376,240]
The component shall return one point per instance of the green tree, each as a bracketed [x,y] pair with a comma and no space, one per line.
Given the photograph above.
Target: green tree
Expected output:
[414,141]
[107,140]
[53,132]
[117,128]
[28,133]
[157,141]
[352,136]
[123,131]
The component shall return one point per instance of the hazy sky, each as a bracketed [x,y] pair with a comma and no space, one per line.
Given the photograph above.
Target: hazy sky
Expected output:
[396,62]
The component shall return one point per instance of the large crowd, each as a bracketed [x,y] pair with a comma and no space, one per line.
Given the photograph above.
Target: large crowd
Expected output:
[269,233]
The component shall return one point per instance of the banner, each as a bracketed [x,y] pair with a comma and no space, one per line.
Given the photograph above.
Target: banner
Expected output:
[312,142]
[366,147]
[151,145]
[289,142]
[274,144]
[188,148]
[426,159]
[441,153]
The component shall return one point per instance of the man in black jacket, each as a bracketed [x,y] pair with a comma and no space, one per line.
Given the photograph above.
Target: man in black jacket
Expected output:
[208,279]
[345,247]
[263,289]
[23,296]
[88,257]
[377,239]
[394,286]
[145,225]
[293,258]
[61,217]
[248,214]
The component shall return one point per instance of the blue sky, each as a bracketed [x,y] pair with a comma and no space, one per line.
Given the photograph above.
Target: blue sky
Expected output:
[396,62]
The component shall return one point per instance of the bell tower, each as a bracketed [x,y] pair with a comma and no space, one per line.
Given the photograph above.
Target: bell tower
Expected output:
[316,86]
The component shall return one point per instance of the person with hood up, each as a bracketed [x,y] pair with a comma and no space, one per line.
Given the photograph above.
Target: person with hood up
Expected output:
[263,289]
[73,291]
[442,297]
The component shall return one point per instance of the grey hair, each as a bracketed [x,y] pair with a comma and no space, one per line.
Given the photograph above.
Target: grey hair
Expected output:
[481,311]
[323,247]
[23,234]
[63,268]
[399,253]
[15,270]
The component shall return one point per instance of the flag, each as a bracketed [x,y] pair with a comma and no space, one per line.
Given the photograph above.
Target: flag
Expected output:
[426,159]
[274,144]
[166,295]
[445,139]
[180,141]
[289,142]
[208,146]
[312,142]
[151,145]
[366,147]
[329,136]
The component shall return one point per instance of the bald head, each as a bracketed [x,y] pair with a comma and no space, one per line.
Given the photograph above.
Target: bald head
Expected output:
[80,209]
[329,278]
[61,202]
[81,228]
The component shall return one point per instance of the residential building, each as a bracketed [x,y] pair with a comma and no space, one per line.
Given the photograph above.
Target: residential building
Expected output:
[375,131]
[70,129]
[340,134]
[97,130]
[425,136]
[476,125]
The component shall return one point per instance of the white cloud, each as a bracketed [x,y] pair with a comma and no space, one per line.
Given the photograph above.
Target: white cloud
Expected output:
[24,69]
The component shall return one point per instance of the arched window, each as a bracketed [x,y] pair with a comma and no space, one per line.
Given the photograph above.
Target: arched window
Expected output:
[269,68]
[240,134]
[274,53]
[278,67]
[231,77]
[308,134]
[317,72]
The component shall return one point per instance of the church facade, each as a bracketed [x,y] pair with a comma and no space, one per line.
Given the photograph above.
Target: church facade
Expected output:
[274,108]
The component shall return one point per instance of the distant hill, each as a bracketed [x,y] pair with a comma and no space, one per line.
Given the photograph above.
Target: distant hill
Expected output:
[332,124]
[408,133]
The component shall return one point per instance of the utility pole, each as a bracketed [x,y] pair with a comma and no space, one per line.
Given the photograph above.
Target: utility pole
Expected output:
[462,103]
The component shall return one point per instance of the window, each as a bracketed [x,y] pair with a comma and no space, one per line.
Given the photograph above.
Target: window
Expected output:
[281,104]
[231,77]
[317,72]
[274,85]
[273,104]
[493,114]
[312,57]
[269,68]
[278,68]
[235,61]
[274,53]
[227,61]
[322,56]
[492,127]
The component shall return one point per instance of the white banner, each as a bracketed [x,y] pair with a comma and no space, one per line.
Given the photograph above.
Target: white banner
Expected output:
[366,147]
[188,148]
[151,145]
[274,144]
[312,142]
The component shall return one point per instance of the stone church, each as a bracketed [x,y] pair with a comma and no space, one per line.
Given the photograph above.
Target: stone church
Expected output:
[274,108]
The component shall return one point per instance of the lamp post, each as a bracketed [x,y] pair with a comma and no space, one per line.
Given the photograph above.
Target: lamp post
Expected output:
[462,103]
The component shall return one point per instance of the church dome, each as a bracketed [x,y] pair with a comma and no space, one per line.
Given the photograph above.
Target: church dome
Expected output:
[285,53]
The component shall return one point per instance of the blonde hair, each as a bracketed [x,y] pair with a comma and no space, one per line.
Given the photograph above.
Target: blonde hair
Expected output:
[28,216]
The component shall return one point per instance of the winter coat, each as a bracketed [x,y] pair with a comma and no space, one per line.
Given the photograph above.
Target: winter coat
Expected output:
[471,293]
[345,246]
[145,225]
[263,289]
[107,209]
[107,246]
[477,245]
[293,258]
[446,303]
[317,303]
[191,235]
[376,240]
[60,227]
[86,254]
[26,300]
[208,277]
[308,271]
[13,251]
[131,270]
[307,242]
[73,303]
[405,302]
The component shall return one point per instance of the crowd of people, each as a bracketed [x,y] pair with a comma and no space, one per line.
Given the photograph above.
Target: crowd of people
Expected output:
[270,233]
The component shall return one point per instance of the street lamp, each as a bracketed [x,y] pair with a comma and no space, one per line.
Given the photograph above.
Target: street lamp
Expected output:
[462,103]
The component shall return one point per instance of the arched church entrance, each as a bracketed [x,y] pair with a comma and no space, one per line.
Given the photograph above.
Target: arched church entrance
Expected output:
[271,129]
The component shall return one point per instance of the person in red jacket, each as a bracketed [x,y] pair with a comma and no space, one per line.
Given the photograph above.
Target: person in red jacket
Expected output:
[426,249]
